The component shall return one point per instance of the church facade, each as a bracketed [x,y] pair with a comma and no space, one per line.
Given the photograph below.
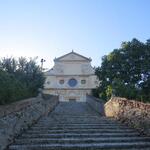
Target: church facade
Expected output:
[72,77]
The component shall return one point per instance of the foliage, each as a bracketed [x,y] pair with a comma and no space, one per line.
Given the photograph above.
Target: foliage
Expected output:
[19,79]
[126,72]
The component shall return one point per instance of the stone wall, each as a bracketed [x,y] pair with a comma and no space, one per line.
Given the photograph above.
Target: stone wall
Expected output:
[131,112]
[19,116]
[96,104]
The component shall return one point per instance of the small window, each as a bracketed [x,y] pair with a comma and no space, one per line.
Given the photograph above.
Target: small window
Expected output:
[83,81]
[48,82]
[61,81]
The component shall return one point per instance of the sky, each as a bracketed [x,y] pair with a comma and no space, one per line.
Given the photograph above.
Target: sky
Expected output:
[52,28]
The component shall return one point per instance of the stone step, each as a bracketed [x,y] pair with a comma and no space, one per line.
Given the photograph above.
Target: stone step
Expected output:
[81,131]
[69,135]
[80,140]
[77,123]
[48,130]
[86,146]
[62,116]
[93,122]
[74,121]
[70,115]
[38,127]
[73,126]
[70,122]
[75,117]
[98,121]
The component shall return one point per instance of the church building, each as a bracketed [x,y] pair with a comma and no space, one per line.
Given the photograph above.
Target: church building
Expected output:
[72,77]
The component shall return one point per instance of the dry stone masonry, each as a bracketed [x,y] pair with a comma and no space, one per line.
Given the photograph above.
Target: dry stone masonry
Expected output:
[133,113]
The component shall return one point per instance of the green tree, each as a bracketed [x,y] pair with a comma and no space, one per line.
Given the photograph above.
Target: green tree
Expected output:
[127,71]
[19,79]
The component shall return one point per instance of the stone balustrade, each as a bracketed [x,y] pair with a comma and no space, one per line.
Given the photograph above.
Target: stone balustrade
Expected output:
[134,113]
[95,103]
[19,116]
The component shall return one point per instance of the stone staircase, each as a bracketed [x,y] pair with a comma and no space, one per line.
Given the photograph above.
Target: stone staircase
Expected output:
[73,126]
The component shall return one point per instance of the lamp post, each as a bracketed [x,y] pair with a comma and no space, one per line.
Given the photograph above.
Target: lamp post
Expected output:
[42,61]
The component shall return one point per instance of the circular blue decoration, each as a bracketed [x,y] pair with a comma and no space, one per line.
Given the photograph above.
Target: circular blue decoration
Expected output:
[72,82]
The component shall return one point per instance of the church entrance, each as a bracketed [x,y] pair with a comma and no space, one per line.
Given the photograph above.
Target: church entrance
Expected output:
[72,99]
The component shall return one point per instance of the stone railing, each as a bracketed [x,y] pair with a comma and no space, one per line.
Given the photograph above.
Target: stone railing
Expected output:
[131,112]
[95,103]
[19,116]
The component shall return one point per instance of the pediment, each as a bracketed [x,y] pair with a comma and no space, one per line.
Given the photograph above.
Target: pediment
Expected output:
[72,57]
